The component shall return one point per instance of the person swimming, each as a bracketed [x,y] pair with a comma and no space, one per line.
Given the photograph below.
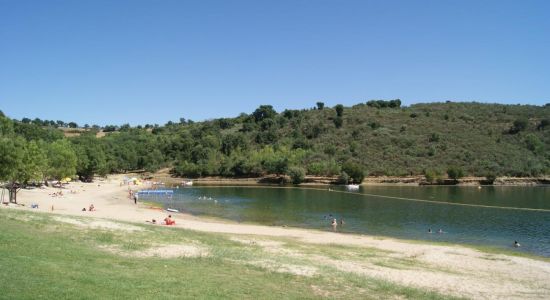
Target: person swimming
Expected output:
[429,230]
[516,244]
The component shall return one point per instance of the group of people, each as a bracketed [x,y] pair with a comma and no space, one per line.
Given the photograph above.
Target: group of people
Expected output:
[167,221]
[91,208]
[334,222]
[57,194]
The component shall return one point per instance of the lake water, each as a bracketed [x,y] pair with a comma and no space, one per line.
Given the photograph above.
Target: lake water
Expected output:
[467,215]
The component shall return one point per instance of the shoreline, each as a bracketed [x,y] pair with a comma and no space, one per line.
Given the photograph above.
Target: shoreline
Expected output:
[475,265]
[368,181]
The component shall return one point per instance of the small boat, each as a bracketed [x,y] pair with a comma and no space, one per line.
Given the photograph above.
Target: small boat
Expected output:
[352,187]
[172,210]
[187,182]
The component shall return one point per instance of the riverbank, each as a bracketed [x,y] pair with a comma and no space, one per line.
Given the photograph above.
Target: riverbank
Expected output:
[447,269]
[369,180]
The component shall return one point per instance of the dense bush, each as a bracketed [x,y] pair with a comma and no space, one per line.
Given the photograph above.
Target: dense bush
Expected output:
[296,174]
[455,172]
[354,170]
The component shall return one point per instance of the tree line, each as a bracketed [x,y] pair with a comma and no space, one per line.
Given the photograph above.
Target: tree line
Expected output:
[378,137]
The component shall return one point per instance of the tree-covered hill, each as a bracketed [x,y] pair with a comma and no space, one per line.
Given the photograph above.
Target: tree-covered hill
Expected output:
[372,138]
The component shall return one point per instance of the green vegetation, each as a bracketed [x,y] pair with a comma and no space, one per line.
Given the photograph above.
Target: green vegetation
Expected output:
[42,258]
[374,138]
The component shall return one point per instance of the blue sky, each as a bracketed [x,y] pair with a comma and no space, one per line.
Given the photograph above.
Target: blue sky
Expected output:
[113,62]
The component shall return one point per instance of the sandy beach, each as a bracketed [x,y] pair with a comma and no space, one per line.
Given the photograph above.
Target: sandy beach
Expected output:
[454,270]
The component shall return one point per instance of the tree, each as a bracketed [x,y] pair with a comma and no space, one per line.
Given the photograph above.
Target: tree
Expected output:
[62,160]
[152,161]
[276,164]
[455,172]
[354,170]
[395,103]
[296,174]
[12,153]
[320,105]
[543,124]
[343,178]
[91,158]
[35,162]
[431,175]
[534,143]
[109,128]
[519,125]
[264,112]
[37,121]
[339,110]
[20,162]
[6,127]
[73,125]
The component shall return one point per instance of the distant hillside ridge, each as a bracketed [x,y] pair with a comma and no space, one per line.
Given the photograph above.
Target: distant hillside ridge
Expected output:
[441,141]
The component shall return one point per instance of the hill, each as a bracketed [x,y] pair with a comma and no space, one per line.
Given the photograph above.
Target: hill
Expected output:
[372,138]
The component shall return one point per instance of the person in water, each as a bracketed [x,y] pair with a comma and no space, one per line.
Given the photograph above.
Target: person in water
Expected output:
[516,244]
[429,230]
[440,230]
[334,224]
[342,221]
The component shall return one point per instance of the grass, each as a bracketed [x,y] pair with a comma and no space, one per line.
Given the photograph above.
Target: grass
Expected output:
[42,258]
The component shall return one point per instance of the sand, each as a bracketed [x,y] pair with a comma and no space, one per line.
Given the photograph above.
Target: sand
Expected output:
[457,270]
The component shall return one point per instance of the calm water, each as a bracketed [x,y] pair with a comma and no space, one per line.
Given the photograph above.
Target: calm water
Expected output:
[374,215]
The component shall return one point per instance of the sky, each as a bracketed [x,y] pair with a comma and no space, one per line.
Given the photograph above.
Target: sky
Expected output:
[137,61]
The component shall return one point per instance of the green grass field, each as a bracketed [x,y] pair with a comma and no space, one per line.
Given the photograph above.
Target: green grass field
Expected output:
[44,256]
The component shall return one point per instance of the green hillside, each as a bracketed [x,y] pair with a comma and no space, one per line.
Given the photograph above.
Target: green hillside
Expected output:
[373,138]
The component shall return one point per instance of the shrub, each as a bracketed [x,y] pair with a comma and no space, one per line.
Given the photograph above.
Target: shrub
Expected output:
[343,178]
[354,170]
[491,177]
[519,125]
[297,174]
[543,124]
[339,110]
[430,175]
[338,121]
[434,137]
[375,125]
[534,144]
[455,173]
